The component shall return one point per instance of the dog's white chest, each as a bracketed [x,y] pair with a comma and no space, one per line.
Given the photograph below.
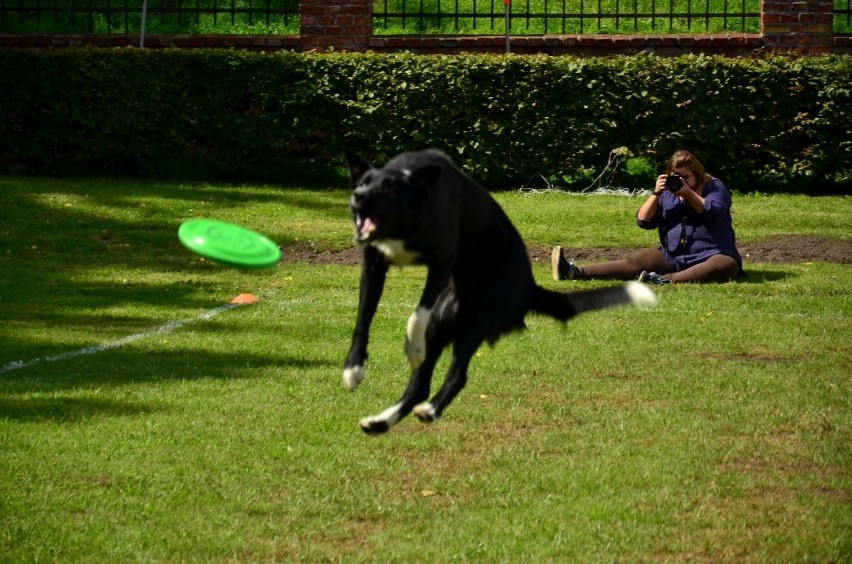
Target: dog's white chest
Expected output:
[395,251]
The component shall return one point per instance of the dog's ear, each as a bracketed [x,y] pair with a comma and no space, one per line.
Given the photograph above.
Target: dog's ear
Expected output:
[424,178]
[356,165]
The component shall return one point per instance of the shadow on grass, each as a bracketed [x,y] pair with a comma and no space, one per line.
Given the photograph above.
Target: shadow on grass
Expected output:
[65,409]
[44,226]
[82,301]
[118,315]
[759,275]
[119,367]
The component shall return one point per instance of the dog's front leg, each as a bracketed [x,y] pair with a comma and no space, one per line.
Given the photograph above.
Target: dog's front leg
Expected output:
[415,334]
[373,274]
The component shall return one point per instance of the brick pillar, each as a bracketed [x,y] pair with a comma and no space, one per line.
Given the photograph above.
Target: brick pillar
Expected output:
[344,25]
[797,26]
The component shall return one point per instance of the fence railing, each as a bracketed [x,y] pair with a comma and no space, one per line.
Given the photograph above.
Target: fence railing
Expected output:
[843,16]
[250,17]
[397,17]
[542,17]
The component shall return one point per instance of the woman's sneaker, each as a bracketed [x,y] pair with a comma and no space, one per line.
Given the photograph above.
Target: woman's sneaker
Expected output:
[653,278]
[561,268]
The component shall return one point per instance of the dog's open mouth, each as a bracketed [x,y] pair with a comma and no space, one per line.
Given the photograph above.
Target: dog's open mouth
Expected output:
[364,226]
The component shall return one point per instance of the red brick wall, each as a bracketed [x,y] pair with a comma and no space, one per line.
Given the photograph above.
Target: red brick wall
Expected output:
[800,26]
[586,45]
[344,25]
[797,26]
[248,42]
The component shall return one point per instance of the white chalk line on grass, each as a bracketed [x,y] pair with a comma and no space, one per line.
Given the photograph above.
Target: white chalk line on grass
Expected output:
[167,328]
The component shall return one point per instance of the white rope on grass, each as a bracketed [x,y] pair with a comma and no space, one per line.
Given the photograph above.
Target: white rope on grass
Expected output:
[617,157]
[164,329]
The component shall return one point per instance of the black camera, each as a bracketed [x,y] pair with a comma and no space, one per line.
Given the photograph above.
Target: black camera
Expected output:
[674,182]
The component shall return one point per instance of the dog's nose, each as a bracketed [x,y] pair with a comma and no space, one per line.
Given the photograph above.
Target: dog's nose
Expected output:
[359,197]
[355,200]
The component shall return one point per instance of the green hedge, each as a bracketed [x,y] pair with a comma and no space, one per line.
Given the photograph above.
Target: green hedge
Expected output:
[762,124]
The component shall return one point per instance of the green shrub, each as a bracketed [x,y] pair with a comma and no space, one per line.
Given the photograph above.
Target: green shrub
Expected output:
[762,124]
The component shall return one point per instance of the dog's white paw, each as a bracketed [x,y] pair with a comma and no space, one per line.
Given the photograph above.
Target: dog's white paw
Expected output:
[415,336]
[381,423]
[373,425]
[640,294]
[352,376]
[425,412]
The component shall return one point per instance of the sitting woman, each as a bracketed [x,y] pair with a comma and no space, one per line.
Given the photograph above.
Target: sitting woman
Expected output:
[692,211]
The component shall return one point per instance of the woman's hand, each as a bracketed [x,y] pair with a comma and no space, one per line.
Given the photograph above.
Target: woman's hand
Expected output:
[661,184]
[649,208]
[683,186]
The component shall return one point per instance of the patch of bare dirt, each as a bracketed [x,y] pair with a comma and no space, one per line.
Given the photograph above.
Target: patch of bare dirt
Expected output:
[776,249]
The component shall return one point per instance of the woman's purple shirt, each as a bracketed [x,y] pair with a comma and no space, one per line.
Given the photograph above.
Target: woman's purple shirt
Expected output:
[703,235]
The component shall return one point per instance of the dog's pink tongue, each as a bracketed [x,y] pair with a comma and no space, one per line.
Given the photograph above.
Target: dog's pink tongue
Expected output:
[367,226]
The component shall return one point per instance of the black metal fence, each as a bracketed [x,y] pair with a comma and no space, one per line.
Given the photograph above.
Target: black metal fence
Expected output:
[408,17]
[162,16]
[843,16]
[537,17]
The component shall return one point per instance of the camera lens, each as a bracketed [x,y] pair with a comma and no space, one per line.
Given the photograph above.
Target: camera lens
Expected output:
[673,182]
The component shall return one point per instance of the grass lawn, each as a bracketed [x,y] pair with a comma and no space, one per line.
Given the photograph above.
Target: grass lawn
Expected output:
[715,427]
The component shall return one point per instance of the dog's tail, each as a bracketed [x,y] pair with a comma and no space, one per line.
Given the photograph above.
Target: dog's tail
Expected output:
[564,306]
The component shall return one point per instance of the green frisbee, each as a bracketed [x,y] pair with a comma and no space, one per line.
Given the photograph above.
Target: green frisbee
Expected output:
[229,244]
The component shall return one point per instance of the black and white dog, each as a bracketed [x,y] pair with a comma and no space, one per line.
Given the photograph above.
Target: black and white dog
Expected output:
[420,209]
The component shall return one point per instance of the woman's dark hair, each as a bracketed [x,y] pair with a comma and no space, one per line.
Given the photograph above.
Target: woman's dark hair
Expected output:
[685,159]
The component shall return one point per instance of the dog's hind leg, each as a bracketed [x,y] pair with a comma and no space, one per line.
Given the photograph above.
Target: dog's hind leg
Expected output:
[416,392]
[438,337]
[454,382]
[415,335]
[469,332]
[438,283]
